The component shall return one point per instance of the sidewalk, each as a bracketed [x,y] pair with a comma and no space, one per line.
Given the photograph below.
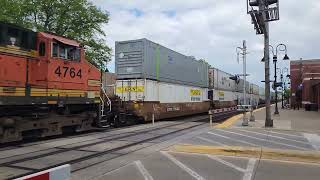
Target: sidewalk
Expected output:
[288,119]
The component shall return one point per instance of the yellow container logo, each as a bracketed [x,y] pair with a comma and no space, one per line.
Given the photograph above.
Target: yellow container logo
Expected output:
[221,93]
[195,92]
[125,89]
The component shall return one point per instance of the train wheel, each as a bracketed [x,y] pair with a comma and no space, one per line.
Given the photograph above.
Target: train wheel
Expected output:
[116,121]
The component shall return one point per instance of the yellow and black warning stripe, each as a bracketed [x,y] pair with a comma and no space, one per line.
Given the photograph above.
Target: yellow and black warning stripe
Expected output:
[95,83]
[64,93]
[42,92]
[12,91]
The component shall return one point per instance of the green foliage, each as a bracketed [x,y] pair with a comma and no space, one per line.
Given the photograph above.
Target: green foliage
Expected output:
[287,93]
[75,19]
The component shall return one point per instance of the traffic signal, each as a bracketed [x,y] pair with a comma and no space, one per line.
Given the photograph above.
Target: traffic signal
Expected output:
[275,85]
[235,78]
[256,2]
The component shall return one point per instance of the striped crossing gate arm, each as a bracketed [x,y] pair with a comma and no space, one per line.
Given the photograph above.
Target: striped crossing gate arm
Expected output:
[58,173]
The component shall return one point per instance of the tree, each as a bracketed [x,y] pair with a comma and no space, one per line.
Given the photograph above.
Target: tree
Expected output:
[287,93]
[75,19]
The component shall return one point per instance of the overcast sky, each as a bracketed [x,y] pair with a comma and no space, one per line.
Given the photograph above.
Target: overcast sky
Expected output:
[212,29]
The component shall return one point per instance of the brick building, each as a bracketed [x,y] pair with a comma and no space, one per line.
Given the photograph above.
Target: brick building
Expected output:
[305,81]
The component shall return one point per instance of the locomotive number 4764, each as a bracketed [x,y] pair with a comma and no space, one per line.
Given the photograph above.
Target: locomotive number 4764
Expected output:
[67,71]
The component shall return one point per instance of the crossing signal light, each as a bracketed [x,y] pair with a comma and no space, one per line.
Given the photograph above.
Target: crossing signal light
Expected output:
[256,2]
[235,78]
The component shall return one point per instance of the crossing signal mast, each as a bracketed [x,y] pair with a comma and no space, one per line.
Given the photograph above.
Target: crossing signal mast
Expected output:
[262,12]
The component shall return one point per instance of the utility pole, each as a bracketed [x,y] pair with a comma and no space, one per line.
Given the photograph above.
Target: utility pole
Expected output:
[243,51]
[269,121]
[244,58]
[262,12]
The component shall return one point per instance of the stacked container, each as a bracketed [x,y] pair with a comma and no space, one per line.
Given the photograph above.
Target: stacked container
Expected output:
[144,59]
[158,82]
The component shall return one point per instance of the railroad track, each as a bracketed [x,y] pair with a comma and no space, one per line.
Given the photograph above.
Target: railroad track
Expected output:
[118,142]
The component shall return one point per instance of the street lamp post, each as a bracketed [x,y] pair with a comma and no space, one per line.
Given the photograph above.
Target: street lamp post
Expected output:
[279,47]
[283,85]
[276,111]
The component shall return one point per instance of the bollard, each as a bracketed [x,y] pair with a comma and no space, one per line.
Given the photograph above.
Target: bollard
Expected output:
[245,120]
[153,119]
[210,117]
[252,118]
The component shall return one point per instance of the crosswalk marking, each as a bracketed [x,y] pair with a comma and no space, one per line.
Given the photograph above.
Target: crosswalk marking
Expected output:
[292,135]
[211,141]
[314,140]
[302,142]
[250,168]
[183,166]
[226,137]
[284,144]
[143,170]
[227,163]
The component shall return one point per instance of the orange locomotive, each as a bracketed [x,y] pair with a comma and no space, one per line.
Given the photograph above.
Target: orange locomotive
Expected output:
[46,85]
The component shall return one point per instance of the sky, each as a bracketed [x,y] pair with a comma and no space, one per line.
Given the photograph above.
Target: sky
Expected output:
[213,29]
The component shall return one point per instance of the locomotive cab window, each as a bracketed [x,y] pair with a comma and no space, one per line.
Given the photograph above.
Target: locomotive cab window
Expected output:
[65,52]
[55,50]
[62,52]
[73,53]
[42,49]
[2,34]
[16,36]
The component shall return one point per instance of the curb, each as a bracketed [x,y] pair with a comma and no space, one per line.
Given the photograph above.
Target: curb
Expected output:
[253,152]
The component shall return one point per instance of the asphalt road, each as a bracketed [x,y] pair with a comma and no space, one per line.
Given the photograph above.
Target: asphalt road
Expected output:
[183,166]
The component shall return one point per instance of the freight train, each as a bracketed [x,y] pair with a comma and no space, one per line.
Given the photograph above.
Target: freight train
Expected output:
[47,87]
[156,82]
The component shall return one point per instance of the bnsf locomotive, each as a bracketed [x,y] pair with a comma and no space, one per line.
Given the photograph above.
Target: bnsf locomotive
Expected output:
[46,85]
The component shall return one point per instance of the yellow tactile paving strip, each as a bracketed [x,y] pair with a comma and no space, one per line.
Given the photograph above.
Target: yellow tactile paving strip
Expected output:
[229,122]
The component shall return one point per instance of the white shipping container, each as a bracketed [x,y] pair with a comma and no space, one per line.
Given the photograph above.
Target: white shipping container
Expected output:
[149,90]
[251,99]
[222,80]
[255,89]
[220,95]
